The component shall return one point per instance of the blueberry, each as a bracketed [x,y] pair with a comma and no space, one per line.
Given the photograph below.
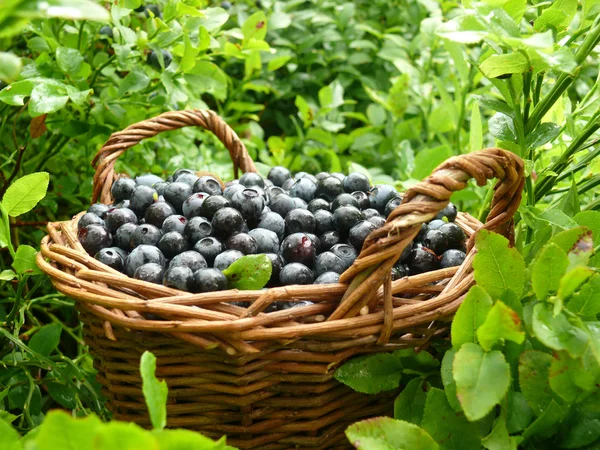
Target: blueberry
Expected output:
[229,191]
[391,205]
[172,244]
[122,189]
[298,247]
[370,212]
[344,199]
[174,223]
[362,198]
[316,241]
[150,272]
[179,277]
[89,219]
[400,271]
[226,5]
[304,189]
[209,280]
[317,204]
[323,221]
[158,212]
[147,180]
[231,183]
[449,212]
[122,204]
[111,257]
[454,233]
[141,255]
[436,241]
[267,241]
[287,184]
[328,262]
[154,60]
[124,235]
[421,234]
[273,191]
[94,238]
[274,222]
[160,187]
[197,228]
[242,242]
[277,264]
[296,273]
[180,172]
[339,175]
[329,239]
[226,222]
[209,185]
[99,209]
[146,235]
[187,178]
[451,258]
[356,181]
[359,232]
[346,253]
[141,199]
[116,217]
[380,195]
[321,176]
[299,203]
[106,30]
[299,221]
[328,278]
[268,183]
[192,206]
[251,179]
[307,175]
[346,217]
[209,247]
[435,224]
[249,203]
[422,260]
[191,259]
[329,188]
[227,258]
[176,193]
[378,221]
[282,204]
[155,11]
[406,252]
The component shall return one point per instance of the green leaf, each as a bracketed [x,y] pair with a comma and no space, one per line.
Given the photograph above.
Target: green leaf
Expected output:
[155,392]
[534,372]
[542,134]
[501,323]
[15,94]
[558,16]
[10,67]
[135,81]
[545,424]
[428,159]
[450,429]
[515,9]
[502,127]
[123,435]
[497,266]
[519,414]
[591,220]
[69,60]
[385,433]
[470,316]
[558,218]
[448,379]
[410,403]
[214,18]
[572,281]
[556,332]
[475,128]
[548,269]
[416,362]
[371,374]
[499,439]
[186,439]
[567,375]
[255,27]
[47,98]
[482,379]
[206,76]
[586,302]
[60,430]
[65,9]
[582,425]
[566,240]
[277,63]
[9,438]
[46,339]
[189,54]
[7,275]
[24,262]
[25,193]
[498,65]
[63,394]
[570,201]
[251,272]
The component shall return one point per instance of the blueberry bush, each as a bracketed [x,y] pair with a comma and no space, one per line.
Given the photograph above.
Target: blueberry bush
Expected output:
[386,89]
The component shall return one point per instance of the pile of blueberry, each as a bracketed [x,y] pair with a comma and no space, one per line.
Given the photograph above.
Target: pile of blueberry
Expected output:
[185,231]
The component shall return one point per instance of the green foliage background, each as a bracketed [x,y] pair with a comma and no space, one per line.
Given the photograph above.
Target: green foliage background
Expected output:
[392,88]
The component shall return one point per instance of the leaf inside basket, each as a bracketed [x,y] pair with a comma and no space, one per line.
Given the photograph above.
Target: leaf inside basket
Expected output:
[250,272]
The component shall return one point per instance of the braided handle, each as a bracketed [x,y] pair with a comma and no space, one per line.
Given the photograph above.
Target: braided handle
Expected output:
[116,145]
[383,247]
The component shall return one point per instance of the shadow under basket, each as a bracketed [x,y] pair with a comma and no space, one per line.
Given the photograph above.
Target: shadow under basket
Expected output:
[266,380]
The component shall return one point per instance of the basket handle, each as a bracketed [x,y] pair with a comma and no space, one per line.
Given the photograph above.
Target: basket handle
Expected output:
[118,142]
[421,203]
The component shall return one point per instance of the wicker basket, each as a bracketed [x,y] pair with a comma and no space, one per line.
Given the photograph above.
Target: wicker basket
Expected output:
[266,379]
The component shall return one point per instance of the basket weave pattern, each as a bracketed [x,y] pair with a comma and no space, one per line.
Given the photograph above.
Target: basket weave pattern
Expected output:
[266,379]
